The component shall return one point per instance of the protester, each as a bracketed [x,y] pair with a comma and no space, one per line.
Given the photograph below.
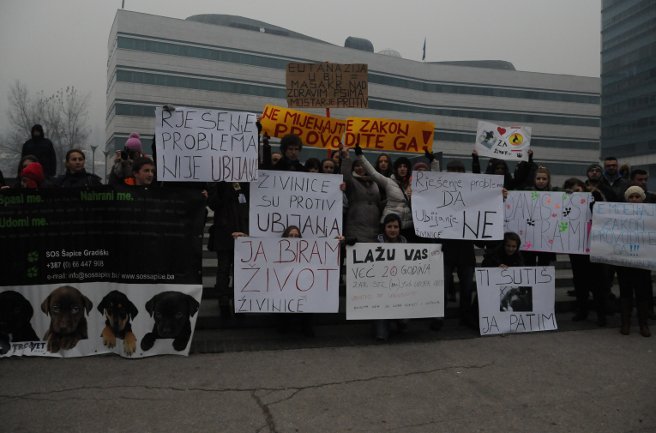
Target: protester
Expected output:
[612,178]
[588,277]
[24,162]
[391,234]
[76,176]
[507,254]
[384,165]
[291,147]
[42,148]
[365,206]
[640,177]
[397,189]
[313,165]
[594,183]
[32,176]
[143,172]
[275,157]
[2,182]
[634,281]
[328,166]
[542,183]
[122,171]
[229,201]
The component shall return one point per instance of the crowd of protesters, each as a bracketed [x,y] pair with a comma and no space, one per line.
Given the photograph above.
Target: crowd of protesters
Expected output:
[377,208]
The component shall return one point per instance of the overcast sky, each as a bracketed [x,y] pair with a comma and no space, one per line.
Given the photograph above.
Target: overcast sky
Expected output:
[49,44]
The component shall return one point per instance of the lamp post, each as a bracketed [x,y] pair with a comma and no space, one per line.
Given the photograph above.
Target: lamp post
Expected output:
[93,157]
[106,153]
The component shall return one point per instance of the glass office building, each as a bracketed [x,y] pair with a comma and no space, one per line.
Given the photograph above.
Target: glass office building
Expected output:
[234,63]
[628,82]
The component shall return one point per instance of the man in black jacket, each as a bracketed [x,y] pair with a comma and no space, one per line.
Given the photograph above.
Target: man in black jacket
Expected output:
[43,149]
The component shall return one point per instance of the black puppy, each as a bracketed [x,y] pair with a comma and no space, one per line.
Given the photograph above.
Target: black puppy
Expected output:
[171,311]
[15,315]
[118,311]
[66,306]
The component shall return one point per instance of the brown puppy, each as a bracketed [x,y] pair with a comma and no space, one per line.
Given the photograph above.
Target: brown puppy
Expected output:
[118,311]
[66,307]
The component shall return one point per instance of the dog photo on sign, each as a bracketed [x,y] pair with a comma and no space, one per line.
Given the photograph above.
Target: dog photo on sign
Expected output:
[514,299]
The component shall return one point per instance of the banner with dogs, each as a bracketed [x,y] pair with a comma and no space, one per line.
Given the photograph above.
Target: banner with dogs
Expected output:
[515,300]
[84,271]
[394,281]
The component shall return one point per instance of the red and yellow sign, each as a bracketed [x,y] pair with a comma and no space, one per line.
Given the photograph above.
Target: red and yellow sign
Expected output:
[314,130]
[389,134]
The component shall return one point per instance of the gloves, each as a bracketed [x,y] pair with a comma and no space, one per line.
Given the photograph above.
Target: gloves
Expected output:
[429,155]
[358,150]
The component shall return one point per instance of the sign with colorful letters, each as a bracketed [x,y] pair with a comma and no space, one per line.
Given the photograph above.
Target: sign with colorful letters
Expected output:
[392,135]
[313,129]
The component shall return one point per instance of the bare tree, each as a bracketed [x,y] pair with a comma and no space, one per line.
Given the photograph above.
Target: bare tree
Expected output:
[63,115]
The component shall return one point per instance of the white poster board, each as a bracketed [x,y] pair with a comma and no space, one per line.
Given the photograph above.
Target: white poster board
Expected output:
[503,142]
[203,145]
[310,201]
[286,275]
[394,281]
[457,205]
[515,300]
[552,221]
[624,234]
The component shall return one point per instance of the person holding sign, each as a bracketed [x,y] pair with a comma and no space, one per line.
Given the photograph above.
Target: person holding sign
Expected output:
[634,280]
[507,254]
[541,183]
[291,147]
[397,190]
[365,206]
[391,233]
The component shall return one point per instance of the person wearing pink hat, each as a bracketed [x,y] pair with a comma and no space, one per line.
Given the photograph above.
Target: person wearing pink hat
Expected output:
[32,176]
[123,160]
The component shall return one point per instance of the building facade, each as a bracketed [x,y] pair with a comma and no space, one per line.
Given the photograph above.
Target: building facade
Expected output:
[234,63]
[628,83]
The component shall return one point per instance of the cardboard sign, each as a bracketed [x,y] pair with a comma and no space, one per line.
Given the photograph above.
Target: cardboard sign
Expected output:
[286,275]
[550,221]
[389,134]
[457,205]
[198,145]
[314,130]
[310,201]
[326,85]
[503,142]
[84,272]
[394,281]
[624,234]
[515,300]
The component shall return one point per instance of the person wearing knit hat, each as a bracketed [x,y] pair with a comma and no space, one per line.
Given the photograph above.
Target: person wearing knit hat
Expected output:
[32,176]
[635,194]
[420,166]
[133,143]
[634,281]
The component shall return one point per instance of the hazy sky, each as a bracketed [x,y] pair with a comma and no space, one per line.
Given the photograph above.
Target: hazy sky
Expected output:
[49,44]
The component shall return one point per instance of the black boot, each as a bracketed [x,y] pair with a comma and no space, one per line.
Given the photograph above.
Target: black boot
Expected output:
[626,308]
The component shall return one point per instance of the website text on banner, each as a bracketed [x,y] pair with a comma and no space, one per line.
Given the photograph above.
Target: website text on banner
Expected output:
[286,275]
[387,281]
[515,300]
[391,135]
[503,142]
[327,85]
[553,221]
[310,201]
[457,205]
[314,130]
[84,271]
[202,145]
[624,234]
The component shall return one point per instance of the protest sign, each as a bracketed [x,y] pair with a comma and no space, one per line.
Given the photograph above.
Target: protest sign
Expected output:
[515,300]
[314,130]
[389,134]
[203,145]
[624,234]
[550,221]
[503,142]
[457,205]
[326,85]
[286,275]
[88,275]
[310,201]
[394,281]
